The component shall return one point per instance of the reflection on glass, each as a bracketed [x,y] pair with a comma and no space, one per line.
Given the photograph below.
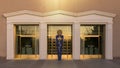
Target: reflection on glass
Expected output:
[67,45]
[27,39]
[92,40]
[90,29]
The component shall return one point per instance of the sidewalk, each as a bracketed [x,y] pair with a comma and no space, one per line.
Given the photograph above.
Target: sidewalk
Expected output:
[60,64]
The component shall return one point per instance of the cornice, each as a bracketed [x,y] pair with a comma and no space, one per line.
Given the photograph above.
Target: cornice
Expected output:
[74,14]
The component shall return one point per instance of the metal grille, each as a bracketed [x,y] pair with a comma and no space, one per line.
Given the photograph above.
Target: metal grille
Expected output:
[67,45]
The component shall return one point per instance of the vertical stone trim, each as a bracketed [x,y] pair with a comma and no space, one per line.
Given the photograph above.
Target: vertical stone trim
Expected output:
[76,41]
[10,41]
[109,42]
[43,41]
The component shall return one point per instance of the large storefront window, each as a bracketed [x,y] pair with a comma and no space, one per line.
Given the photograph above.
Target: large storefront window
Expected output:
[27,41]
[92,41]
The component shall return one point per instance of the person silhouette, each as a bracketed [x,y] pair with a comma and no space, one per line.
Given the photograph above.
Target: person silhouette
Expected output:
[59,43]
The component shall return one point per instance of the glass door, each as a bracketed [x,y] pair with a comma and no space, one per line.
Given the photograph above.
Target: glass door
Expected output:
[92,41]
[67,45]
[27,41]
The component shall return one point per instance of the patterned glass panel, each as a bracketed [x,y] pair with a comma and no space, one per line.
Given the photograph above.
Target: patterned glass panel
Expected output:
[67,45]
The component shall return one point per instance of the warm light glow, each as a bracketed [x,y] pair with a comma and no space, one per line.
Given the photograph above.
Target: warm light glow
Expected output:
[51,4]
[70,5]
[65,29]
[84,57]
[27,57]
[64,57]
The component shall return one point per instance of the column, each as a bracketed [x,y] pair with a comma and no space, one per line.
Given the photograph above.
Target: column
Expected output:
[76,41]
[109,42]
[10,41]
[43,41]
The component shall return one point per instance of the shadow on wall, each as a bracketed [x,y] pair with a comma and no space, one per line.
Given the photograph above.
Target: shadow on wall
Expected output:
[2,58]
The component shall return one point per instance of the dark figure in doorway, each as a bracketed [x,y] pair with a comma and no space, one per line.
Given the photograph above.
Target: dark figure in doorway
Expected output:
[59,43]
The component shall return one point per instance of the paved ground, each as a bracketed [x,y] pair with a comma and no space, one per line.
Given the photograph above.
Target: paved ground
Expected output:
[60,64]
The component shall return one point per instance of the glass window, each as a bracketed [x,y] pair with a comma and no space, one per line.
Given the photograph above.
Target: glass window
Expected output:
[92,40]
[27,39]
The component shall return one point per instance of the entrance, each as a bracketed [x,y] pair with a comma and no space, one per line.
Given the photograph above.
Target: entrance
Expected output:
[92,41]
[51,42]
[27,41]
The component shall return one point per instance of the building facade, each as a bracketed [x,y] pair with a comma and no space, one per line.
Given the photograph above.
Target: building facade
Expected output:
[88,35]
[90,29]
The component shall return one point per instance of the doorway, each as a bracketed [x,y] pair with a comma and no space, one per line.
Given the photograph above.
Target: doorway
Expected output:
[51,41]
[26,41]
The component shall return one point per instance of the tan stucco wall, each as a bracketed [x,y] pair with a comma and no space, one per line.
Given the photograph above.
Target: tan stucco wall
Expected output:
[112,6]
